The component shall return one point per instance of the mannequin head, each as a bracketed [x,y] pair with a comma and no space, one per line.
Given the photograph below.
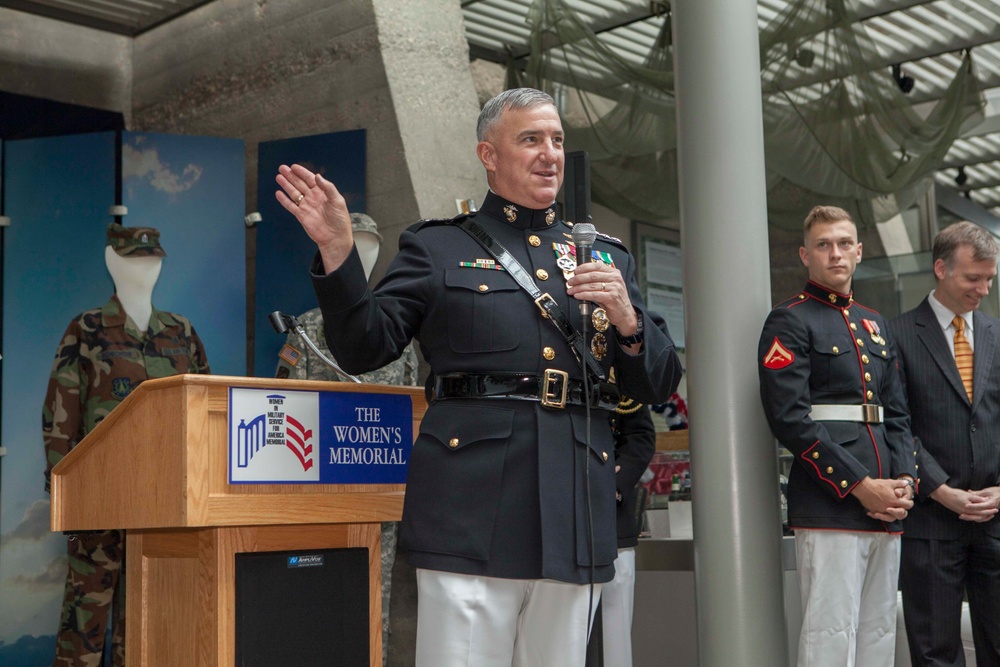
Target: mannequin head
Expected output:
[367,239]
[133,272]
[134,258]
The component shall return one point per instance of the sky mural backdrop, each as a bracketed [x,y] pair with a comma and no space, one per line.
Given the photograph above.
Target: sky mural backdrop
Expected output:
[57,192]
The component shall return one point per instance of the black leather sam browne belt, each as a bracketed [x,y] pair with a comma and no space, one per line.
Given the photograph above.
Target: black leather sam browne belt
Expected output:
[553,389]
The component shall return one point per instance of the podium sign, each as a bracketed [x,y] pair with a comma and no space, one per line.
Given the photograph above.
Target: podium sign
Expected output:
[318,437]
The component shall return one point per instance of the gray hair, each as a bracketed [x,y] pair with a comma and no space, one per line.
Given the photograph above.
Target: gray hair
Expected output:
[949,239]
[515,98]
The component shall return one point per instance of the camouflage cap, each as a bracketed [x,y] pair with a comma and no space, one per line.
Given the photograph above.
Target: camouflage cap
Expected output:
[363,223]
[135,241]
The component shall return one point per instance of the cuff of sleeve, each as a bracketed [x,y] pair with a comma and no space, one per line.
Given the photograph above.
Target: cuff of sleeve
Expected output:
[637,337]
[343,287]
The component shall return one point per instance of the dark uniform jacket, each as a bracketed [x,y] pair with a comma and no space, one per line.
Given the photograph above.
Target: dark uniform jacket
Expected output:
[635,444]
[496,487]
[821,347]
[958,443]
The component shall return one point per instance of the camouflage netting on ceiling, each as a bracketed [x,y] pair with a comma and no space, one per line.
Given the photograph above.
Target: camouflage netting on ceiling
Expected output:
[837,127]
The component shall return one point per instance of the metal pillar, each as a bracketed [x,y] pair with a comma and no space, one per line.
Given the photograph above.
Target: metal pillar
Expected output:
[738,567]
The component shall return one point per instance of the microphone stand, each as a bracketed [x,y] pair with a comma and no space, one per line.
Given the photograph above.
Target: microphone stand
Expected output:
[583,241]
[282,323]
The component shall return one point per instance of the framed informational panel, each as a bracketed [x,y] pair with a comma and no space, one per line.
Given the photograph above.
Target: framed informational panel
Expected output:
[658,253]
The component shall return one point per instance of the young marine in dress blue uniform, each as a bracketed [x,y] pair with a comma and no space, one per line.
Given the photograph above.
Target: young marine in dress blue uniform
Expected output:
[833,399]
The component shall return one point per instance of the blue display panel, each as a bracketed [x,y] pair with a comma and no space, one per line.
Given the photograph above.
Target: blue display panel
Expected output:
[284,251]
[193,190]
[57,194]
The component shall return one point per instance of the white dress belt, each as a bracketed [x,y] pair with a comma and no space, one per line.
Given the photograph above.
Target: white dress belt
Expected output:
[866,413]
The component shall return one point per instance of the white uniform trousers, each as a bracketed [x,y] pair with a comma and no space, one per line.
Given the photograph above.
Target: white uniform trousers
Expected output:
[617,598]
[473,621]
[848,581]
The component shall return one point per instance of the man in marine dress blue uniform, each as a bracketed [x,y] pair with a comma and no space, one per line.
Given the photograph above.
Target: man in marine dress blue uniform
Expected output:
[834,400]
[509,514]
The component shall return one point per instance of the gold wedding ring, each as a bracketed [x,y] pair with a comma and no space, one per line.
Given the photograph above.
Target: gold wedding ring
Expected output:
[298,200]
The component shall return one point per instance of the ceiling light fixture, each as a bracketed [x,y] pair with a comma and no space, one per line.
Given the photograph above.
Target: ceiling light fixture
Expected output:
[802,57]
[904,82]
[961,178]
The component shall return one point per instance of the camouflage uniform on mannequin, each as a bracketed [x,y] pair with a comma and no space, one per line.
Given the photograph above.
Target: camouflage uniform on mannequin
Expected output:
[296,361]
[102,357]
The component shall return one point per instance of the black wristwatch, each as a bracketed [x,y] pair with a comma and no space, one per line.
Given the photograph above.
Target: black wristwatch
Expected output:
[635,338]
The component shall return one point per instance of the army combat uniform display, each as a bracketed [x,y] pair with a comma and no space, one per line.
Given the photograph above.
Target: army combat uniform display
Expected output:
[297,362]
[103,357]
[497,477]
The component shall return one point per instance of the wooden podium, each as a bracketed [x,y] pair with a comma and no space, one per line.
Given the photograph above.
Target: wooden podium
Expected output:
[158,467]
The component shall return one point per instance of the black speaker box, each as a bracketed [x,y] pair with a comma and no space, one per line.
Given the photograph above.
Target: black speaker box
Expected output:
[302,608]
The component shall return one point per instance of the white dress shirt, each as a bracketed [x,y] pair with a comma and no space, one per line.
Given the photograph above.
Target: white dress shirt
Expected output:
[944,318]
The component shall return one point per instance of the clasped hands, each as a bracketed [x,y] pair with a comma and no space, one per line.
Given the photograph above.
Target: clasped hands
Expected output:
[884,499]
[976,506]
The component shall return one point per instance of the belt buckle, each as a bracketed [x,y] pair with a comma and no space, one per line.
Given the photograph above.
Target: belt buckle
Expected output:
[552,397]
[869,413]
[546,298]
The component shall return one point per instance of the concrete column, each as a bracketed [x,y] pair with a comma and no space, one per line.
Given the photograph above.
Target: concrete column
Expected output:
[425,59]
[267,70]
[738,567]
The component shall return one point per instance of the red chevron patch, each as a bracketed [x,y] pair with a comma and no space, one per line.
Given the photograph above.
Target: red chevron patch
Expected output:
[778,356]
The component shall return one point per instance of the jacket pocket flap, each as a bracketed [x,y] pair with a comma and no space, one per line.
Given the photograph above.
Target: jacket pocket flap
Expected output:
[842,432]
[462,425]
[832,344]
[480,280]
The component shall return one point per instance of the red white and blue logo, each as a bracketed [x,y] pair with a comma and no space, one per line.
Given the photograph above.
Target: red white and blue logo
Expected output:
[318,437]
[275,437]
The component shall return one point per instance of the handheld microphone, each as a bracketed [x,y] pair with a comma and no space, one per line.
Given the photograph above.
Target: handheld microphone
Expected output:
[584,235]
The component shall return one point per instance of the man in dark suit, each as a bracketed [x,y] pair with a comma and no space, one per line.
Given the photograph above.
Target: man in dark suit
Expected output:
[509,511]
[951,545]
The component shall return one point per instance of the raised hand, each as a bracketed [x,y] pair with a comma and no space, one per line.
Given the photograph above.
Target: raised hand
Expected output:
[320,209]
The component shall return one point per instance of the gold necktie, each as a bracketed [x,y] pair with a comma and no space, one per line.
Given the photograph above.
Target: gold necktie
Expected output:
[963,354]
